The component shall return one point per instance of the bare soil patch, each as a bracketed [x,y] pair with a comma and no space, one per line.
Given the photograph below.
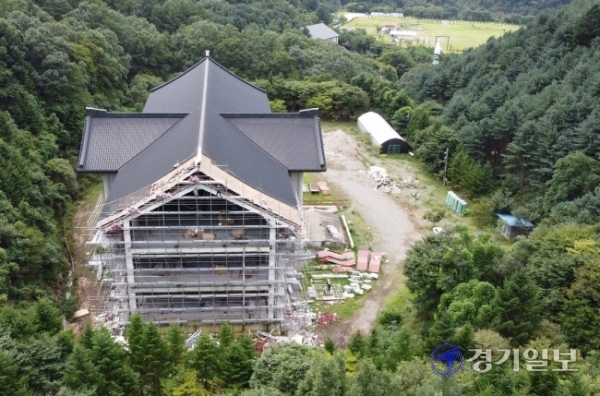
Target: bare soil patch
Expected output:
[87,287]
[393,223]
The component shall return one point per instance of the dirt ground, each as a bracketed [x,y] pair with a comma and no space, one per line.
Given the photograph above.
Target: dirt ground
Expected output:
[87,288]
[395,226]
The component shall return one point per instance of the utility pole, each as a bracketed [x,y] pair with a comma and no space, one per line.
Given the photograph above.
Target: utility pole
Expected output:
[446,165]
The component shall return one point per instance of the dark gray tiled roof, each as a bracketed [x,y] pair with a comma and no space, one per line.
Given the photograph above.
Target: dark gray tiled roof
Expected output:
[111,139]
[292,139]
[244,154]
[183,94]
[234,151]
[321,31]
[177,145]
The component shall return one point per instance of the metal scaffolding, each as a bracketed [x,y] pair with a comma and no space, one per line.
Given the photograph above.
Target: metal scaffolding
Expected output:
[201,254]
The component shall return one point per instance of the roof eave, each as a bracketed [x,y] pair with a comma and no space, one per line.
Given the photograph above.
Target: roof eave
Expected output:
[309,170]
[97,170]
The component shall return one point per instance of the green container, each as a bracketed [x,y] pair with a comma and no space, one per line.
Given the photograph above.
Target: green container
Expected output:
[455,204]
[448,198]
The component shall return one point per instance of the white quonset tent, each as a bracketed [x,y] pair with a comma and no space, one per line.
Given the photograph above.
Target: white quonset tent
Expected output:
[382,134]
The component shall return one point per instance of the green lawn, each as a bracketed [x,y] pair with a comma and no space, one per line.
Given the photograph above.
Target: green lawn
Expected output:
[463,34]
[401,299]
[316,198]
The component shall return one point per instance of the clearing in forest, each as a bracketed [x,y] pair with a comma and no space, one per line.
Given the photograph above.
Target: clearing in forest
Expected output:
[463,34]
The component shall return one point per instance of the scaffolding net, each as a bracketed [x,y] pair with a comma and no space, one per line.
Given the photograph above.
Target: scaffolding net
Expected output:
[198,254]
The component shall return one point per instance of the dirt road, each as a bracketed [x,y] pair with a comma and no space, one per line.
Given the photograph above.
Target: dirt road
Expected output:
[394,230]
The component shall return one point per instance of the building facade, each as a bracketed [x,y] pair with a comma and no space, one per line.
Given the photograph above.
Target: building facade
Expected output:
[203,220]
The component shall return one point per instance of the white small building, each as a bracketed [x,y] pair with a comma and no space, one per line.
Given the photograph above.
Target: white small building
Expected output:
[388,26]
[382,134]
[403,35]
[387,14]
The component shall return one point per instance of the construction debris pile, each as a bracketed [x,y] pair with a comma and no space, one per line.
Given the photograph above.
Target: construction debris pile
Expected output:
[192,340]
[324,319]
[264,340]
[386,184]
[408,182]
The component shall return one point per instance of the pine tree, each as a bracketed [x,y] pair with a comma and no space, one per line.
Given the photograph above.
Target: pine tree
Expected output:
[357,344]
[46,317]
[115,376]
[236,367]
[225,336]
[87,336]
[517,309]
[80,371]
[134,333]
[479,180]
[9,380]
[329,345]
[176,341]
[205,357]
[156,359]
[401,350]
[373,343]
[66,342]
[458,169]
[520,159]
[442,332]
[248,346]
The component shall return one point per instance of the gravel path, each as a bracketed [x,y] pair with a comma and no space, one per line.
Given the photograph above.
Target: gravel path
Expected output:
[394,230]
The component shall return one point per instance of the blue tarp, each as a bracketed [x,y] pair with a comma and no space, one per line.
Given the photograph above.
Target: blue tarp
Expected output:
[514,221]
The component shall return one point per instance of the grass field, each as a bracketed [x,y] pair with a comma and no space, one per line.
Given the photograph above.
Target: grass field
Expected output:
[463,34]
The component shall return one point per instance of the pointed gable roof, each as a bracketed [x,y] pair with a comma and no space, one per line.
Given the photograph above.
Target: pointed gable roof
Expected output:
[204,91]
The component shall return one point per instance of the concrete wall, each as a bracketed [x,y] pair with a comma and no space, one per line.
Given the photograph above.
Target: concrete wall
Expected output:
[109,179]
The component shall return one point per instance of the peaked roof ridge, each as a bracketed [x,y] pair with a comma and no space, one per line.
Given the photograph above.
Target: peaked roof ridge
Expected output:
[179,75]
[236,76]
[256,144]
[154,141]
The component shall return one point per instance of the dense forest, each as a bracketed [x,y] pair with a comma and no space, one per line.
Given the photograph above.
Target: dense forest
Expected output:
[520,116]
[510,11]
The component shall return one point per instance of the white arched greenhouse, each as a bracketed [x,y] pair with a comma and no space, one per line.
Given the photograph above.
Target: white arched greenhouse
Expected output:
[382,134]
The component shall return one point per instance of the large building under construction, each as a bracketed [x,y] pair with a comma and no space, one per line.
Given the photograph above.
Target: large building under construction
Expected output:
[202,221]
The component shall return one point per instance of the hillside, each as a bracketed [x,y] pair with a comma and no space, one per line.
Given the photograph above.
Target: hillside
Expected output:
[523,102]
[520,116]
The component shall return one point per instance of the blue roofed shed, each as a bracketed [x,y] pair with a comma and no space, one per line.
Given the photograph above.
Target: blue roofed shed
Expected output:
[514,226]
